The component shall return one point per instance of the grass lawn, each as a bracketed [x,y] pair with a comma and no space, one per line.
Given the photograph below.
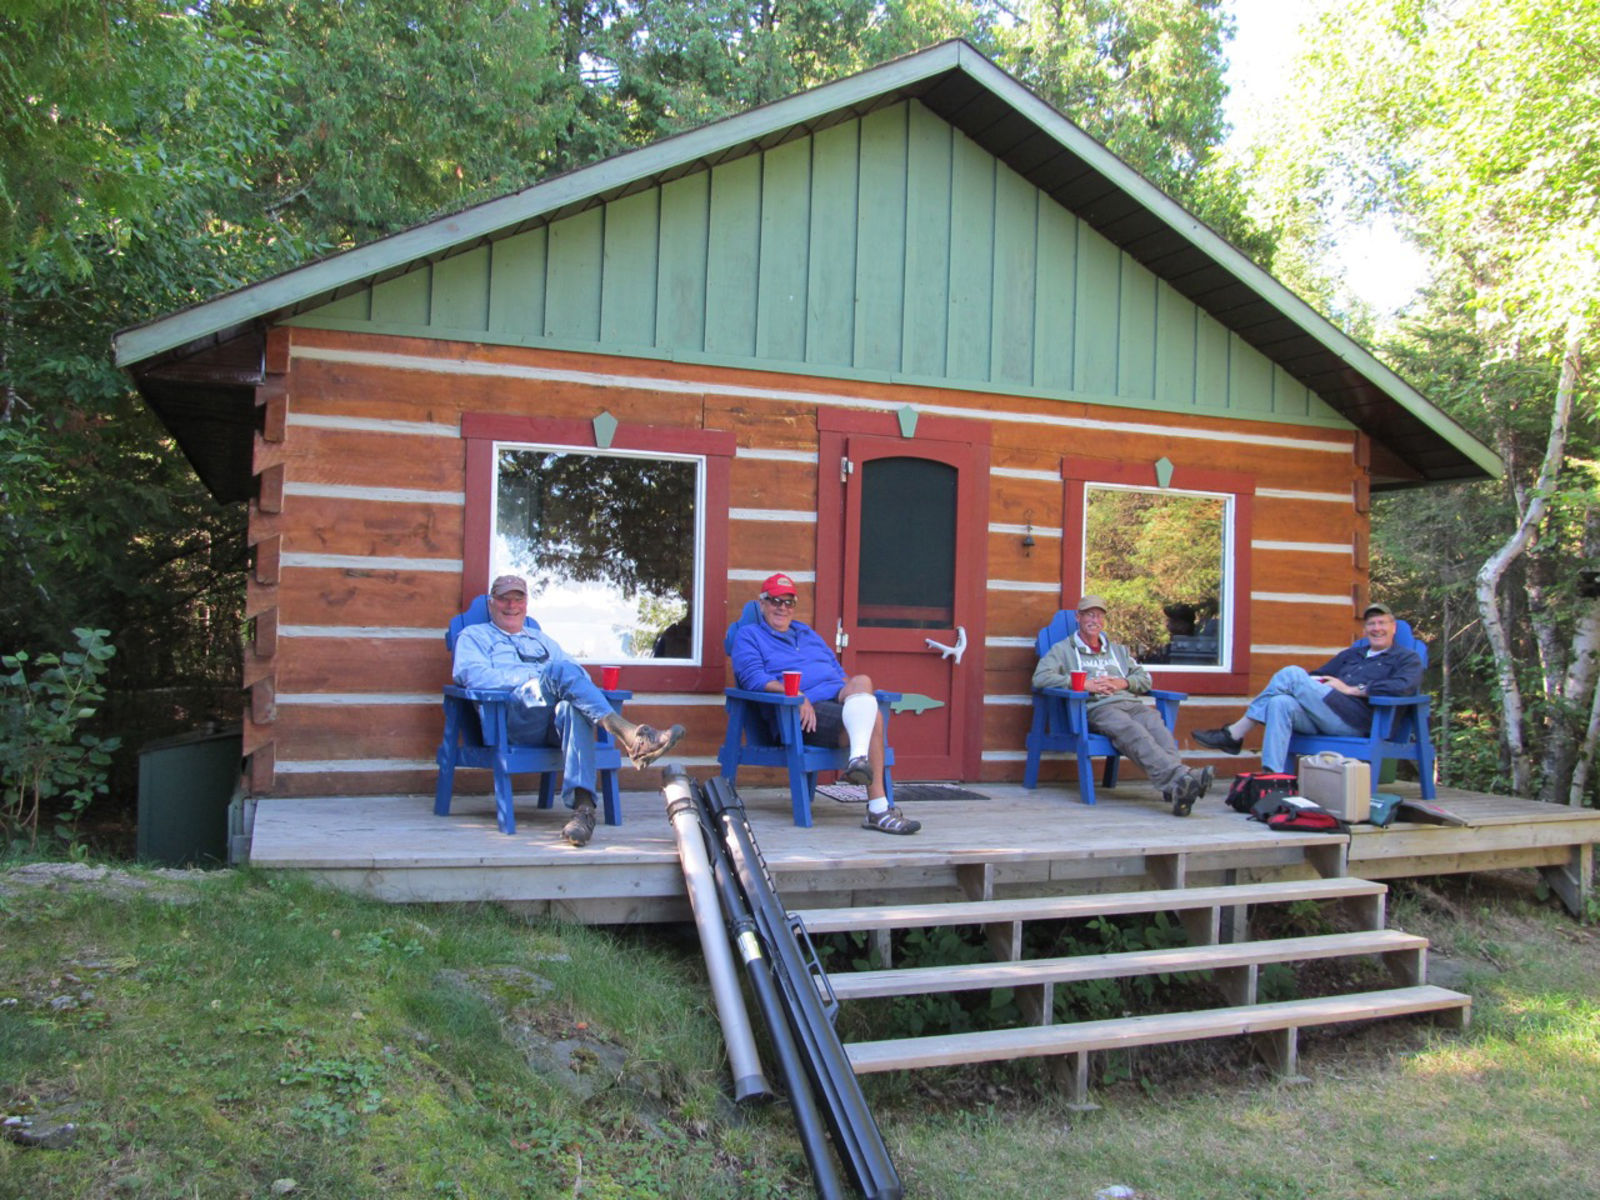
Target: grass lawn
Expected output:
[244,1035]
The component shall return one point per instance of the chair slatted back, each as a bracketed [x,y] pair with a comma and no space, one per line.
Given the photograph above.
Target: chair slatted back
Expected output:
[477,614]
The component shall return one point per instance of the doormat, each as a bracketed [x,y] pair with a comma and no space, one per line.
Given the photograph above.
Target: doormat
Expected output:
[904,793]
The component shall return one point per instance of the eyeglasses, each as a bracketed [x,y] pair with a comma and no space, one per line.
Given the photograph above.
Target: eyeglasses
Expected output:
[780,601]
[537,655]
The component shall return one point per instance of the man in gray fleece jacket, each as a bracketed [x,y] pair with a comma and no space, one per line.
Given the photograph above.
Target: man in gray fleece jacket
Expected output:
[1115,683]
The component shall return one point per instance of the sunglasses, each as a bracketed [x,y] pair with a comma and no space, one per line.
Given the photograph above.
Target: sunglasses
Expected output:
[780,601]
[537,655]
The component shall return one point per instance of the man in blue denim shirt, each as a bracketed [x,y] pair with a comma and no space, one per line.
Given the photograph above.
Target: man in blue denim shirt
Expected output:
[560,705]
[1331,699]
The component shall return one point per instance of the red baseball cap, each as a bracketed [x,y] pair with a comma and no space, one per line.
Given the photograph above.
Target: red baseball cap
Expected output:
[778,585]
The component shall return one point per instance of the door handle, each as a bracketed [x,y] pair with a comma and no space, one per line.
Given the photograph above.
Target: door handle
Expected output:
[955,651]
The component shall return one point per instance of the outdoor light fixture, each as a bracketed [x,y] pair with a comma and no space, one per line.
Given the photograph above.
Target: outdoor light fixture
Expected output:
[1027,536]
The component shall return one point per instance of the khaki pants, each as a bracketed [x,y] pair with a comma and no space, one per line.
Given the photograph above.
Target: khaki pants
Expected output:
[1138,732]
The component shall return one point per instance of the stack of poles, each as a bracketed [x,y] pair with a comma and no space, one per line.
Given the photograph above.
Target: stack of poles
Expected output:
[734,901]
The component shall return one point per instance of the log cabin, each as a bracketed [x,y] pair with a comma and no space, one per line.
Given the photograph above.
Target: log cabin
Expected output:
[912,337]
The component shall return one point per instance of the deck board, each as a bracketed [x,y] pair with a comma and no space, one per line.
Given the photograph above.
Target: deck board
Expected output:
[1017,841]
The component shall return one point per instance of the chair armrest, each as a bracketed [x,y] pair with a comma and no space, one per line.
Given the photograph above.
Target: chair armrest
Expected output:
[1158,694]
[775,698]
[1398,701]
[889,697]
[479,695]
[503,695]
[1062,693]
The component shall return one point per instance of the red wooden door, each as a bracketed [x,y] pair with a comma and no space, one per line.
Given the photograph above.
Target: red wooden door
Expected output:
[908,579]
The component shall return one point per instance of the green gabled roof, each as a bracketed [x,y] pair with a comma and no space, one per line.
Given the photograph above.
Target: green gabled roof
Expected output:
[1415,441]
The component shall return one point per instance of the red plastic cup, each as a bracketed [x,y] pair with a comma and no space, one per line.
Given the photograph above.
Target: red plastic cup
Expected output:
[791,683]
[610,677]
[1080,680]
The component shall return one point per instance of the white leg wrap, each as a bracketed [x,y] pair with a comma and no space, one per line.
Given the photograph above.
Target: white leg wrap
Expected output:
[859,715]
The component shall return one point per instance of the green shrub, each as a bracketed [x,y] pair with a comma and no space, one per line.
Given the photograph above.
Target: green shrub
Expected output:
[44,753]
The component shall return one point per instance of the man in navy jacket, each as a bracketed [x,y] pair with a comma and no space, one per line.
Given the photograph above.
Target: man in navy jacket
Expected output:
[1332,699]
[834,708]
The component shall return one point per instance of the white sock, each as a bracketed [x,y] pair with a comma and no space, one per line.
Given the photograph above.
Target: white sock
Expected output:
[1240,728]
[860,714]
[879,804]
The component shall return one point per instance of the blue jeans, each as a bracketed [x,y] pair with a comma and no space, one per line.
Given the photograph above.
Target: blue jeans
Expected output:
[1293,702]
[572,707]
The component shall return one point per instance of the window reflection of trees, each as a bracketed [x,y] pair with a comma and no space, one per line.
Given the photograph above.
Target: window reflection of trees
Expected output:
[1146,552]
[626,524]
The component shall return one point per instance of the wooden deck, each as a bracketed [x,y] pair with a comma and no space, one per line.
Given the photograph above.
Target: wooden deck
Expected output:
[1012,843]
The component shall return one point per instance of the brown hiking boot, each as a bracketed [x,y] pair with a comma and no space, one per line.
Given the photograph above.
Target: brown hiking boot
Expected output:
[641,743]
[580,828]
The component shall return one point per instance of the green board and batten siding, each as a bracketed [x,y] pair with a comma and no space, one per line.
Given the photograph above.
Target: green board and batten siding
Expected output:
[885,247]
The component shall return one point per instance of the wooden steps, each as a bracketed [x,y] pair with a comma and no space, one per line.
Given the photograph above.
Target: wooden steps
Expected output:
[1232,966]
[1281,1020]
[1404,952]
[1199,908]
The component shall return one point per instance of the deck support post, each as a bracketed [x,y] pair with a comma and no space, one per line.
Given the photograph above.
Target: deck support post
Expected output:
[879,949]
[1168,870]
[1407,967]
[976,880]
[1368,912]
[1570,880]
[1230,923]
[1237,984]
[1072,1071]
[1281,1050]
[1456,1019]
[1330,861]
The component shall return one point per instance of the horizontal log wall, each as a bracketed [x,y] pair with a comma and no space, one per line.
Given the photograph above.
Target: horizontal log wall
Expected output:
[358,533]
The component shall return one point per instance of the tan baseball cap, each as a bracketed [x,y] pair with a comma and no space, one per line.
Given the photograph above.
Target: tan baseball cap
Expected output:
[508,583]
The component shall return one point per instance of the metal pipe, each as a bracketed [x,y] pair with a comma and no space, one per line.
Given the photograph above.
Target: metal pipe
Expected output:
[683,814]
[796,1078]
[803,985]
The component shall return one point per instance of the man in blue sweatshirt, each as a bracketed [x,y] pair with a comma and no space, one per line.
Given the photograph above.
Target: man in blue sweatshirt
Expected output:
[1331,699]
[834,708]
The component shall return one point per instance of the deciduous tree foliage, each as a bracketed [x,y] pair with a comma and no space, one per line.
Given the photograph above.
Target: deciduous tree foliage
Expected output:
[1474,123]
[156,156]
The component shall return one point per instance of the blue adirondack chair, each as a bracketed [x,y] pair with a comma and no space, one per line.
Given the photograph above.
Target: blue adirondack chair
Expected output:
[750,741]
[1399,726]
[475,724]
[1061,720]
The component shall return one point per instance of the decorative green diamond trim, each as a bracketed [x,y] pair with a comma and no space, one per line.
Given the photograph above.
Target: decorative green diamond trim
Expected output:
[915,702]
[908,422]
[605,428]
[1163,472]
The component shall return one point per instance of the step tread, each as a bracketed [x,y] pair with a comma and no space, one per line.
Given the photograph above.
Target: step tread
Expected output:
[1037,1040]
[906,981]
[979,912]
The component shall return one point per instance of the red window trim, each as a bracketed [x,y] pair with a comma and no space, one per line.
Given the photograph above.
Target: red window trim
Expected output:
[1077,473]
[482,430]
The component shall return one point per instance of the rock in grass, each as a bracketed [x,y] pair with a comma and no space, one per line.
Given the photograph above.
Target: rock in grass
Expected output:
[43,1134]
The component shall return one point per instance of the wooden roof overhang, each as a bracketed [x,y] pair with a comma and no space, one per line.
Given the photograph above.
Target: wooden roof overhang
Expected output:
[195,367]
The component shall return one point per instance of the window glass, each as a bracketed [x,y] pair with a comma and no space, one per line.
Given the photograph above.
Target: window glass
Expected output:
[908,544]
[609,545]
[1160,560]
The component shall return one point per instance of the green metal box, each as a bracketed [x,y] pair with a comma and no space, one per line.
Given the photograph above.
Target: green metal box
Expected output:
[185,784]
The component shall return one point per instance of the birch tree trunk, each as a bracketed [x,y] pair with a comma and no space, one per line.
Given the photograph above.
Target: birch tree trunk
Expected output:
[1495,567]
[1563,748]
[1585,759]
